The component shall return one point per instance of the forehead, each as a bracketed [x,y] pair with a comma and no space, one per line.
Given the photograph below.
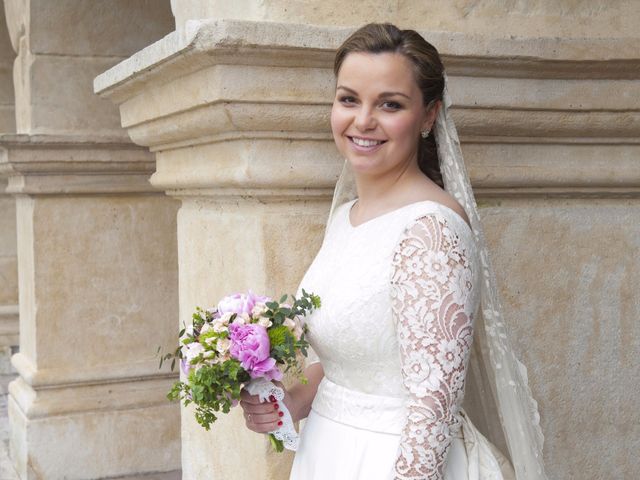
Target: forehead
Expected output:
[377,71]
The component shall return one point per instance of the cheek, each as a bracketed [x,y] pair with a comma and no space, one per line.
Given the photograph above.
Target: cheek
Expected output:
[339,120]
[403,128]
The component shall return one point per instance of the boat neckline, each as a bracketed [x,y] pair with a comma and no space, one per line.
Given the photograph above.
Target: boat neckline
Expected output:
[438,204]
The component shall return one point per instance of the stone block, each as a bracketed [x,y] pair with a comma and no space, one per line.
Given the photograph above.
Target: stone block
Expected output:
[579,341]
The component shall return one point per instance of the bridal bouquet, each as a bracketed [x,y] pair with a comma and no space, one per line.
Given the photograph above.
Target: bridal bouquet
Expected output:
[246,341]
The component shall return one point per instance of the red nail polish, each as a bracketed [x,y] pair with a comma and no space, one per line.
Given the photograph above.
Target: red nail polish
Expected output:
[272,398]
[280,423]
[280,414]
[276,406]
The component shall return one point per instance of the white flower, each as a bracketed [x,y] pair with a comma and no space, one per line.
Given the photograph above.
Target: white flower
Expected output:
[449,355]
[437,264]
[265,322]
[258,309]
[210,340]
[423,375]
[192,350]
[289,323]
[223,345]
[205,328]
[226,318]
[219,327]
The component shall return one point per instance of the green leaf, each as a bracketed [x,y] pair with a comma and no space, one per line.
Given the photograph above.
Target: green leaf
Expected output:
[278,445]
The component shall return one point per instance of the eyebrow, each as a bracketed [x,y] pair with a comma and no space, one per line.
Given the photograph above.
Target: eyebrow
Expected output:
[382,95]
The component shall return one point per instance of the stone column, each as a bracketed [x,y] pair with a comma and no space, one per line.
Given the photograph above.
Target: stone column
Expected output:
[549,129]
[8,259]
[97,252]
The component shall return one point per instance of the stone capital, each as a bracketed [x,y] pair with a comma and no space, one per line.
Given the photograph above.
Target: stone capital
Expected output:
[233,107]
[50,164]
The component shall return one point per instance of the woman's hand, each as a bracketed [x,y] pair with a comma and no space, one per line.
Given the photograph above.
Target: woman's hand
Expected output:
[264,417]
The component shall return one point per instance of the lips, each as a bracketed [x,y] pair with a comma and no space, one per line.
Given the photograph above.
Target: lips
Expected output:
[365,144]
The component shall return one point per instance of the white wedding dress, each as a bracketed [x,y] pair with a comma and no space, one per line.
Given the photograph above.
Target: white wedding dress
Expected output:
[399,294]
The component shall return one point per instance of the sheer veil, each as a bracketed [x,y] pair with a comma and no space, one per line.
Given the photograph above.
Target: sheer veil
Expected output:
[493,356]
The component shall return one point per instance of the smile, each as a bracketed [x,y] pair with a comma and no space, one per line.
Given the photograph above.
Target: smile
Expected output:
[366,143]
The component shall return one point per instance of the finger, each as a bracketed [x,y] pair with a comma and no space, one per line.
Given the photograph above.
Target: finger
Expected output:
[260,408]
[244,395]
[266,427]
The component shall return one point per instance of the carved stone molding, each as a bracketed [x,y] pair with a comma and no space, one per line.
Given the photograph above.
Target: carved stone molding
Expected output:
[206,99]
[43,164]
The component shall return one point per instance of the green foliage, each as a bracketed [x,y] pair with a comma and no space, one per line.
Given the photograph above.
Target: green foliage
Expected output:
[213,388]
[278,335]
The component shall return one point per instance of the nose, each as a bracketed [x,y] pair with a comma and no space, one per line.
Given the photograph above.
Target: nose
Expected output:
[365,119]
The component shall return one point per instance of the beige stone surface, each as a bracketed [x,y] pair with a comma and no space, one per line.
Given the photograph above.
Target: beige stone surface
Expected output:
[228,246]
[120,434]
[94,320]
[566,18]
[56,65]
[97,252]
[568,273]
[552,160]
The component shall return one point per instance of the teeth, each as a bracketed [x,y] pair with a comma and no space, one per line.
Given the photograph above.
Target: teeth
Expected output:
[365,143]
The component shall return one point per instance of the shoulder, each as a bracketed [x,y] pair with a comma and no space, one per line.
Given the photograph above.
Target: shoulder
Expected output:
[436,227]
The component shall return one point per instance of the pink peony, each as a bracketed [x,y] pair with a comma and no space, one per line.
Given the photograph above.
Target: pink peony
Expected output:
[250,345]
[240,303]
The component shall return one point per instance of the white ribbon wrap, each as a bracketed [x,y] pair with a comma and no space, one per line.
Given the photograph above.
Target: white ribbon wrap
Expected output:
[287,432]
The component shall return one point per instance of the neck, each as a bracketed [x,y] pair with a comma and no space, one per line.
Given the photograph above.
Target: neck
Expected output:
[387,188]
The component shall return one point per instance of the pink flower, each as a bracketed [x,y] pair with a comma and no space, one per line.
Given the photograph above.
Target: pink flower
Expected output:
[250,345]
[240,303]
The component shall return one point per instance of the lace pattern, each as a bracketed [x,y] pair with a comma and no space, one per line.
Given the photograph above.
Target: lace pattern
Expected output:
[434,299]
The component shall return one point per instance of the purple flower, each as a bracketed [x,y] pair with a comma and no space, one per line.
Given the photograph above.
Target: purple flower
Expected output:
[240,303]
[250,345]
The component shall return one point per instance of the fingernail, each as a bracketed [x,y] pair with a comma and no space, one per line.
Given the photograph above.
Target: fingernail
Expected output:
[272,398]
[280,414]
[276,406]
[280,423]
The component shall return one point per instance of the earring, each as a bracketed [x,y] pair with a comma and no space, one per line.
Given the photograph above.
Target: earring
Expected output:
[425,133]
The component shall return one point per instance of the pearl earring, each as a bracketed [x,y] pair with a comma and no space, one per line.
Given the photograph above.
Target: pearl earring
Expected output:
[425,133]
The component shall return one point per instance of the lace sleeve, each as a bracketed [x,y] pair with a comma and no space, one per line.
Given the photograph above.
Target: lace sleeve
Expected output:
[432,305]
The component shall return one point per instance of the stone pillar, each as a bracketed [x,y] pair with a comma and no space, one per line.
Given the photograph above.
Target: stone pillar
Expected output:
[8,258]
[97,254]
[244,143]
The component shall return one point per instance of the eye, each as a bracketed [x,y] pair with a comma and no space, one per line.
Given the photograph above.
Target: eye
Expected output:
[390,105]
[347,100]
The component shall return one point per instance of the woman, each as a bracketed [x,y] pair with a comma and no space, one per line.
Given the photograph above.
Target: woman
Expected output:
[399,274]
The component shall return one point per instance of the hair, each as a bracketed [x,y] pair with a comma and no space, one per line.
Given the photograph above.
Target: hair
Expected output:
[427,66]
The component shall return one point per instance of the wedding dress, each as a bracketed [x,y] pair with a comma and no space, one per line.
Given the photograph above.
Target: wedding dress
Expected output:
[399,295]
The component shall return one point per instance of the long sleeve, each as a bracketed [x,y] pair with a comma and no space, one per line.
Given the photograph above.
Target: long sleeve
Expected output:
[432,292]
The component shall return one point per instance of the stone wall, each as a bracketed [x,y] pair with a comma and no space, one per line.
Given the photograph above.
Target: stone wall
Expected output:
[96,252]
[229,117]
[545,99]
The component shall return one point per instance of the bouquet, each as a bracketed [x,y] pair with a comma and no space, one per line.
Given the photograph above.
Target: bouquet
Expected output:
[246,341]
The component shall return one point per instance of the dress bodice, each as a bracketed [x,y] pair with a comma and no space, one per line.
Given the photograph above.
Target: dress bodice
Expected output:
[353,333]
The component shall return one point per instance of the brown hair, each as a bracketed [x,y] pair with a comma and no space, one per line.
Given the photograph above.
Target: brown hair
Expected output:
[428,68]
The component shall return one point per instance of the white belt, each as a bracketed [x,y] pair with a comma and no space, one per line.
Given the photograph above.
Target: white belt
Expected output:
[377,413]
[362,410]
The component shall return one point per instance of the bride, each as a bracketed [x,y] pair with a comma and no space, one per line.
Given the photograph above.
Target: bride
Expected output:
[404,280]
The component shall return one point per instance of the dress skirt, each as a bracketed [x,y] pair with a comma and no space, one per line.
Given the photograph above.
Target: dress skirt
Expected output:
[336,449]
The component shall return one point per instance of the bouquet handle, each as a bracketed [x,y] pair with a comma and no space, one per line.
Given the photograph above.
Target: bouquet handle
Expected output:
[287,432]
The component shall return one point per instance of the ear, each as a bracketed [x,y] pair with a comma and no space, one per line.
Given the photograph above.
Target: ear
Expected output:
[431,114]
